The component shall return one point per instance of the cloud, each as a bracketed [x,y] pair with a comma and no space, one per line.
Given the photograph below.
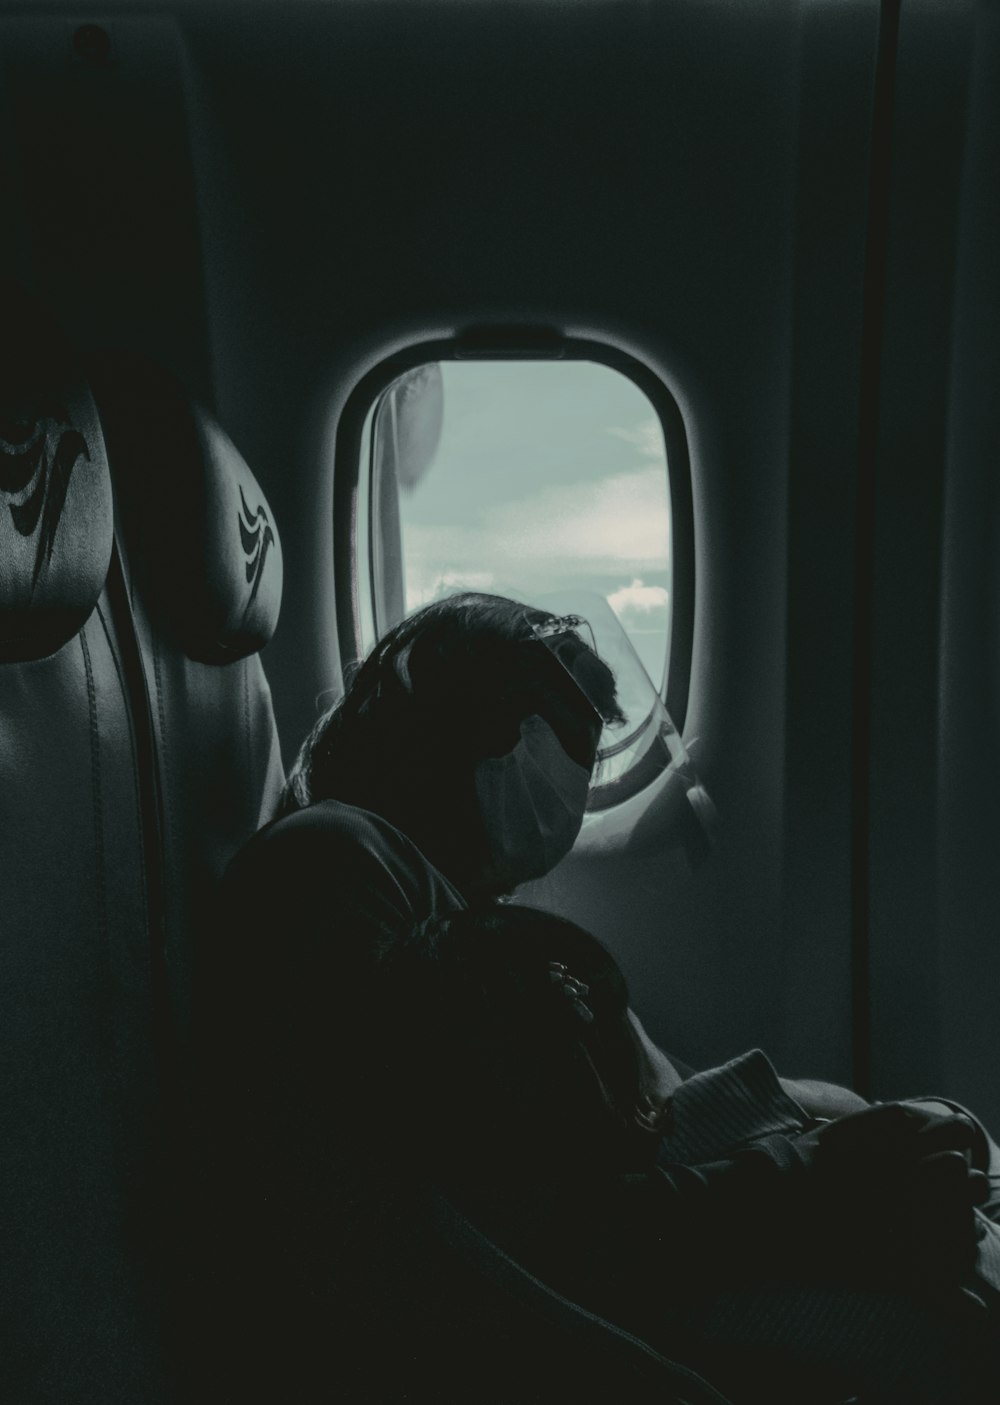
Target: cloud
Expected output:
[614,523]
[644,612]
[638,599]
[421,589]
[618,525]
[646,437]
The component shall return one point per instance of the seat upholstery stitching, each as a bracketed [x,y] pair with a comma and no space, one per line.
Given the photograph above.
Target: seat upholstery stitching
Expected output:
[245,666]
[135,763]
[106,1024]
[96,792]
[164,763]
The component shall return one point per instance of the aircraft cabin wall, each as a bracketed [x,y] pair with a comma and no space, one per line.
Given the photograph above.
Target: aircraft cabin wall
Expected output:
[786,211]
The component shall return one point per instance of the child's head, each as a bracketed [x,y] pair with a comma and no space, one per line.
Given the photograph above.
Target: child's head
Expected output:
[512,1027]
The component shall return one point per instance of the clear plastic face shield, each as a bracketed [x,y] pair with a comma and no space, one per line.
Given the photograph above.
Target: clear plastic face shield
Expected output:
[641,743]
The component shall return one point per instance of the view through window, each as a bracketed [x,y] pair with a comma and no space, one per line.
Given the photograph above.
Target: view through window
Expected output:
[519,478]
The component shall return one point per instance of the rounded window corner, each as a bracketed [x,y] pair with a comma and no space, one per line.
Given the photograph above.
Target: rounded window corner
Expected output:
[514,469]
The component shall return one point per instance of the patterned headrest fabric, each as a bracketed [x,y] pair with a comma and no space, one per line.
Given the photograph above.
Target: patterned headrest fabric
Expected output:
[202,546]
[56,512]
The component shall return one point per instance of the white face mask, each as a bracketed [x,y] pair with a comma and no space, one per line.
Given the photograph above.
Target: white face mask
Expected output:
[531,802]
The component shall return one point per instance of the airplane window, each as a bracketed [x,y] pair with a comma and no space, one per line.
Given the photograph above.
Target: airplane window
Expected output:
[521,478]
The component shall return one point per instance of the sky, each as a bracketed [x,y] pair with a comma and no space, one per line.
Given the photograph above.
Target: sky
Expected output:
[549,475]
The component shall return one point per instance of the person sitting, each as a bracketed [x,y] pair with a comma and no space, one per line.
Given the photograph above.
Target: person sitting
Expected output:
[803,1263]
[456,766]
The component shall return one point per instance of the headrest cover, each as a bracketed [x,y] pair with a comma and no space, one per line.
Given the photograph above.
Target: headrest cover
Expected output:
[199,538]
[56,514]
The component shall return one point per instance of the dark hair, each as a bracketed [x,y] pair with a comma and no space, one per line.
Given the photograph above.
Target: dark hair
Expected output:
[445,688]
[522,1070]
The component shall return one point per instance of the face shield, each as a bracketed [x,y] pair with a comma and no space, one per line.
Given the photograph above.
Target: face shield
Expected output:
[642,742]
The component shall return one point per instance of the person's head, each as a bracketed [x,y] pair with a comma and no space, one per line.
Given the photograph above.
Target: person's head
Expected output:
[465,730]
[520,1059]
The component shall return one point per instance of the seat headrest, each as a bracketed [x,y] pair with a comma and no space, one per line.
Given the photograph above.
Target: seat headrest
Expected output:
[56,512]
[200,541]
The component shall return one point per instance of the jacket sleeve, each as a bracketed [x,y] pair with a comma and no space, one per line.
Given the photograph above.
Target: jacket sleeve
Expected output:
[630,1245]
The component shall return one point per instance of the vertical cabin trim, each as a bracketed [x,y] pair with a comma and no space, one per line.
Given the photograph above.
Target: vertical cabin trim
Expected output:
[871,355]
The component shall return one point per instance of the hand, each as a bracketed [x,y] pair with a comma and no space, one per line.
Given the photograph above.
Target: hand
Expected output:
[895,1133]
[897,1196]
[937,1226]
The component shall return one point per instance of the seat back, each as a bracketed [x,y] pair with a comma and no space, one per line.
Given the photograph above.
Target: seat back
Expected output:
[78,1087]
[132,765]
[202,560]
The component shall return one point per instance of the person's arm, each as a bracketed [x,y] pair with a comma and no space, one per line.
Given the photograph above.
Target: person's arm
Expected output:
[631,1244]
[823,1100]
[882,1198]
[662,1074]
[659,1076]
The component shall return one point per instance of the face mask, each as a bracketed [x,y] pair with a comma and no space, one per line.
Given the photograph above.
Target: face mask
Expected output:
[531,802]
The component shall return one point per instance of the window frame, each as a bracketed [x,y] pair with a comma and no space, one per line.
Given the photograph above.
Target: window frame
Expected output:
[505,344]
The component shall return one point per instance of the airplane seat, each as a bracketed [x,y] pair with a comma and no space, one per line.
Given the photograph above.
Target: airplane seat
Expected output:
[79,1293]
[202,558]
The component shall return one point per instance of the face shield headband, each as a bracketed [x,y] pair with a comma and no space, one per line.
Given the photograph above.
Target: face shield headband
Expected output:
[640,742]
[570,640]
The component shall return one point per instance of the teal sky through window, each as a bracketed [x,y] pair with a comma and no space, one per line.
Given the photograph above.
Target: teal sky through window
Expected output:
[547,475]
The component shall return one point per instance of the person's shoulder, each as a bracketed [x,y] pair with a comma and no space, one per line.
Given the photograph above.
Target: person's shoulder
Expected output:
[331,844]
[327,833]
